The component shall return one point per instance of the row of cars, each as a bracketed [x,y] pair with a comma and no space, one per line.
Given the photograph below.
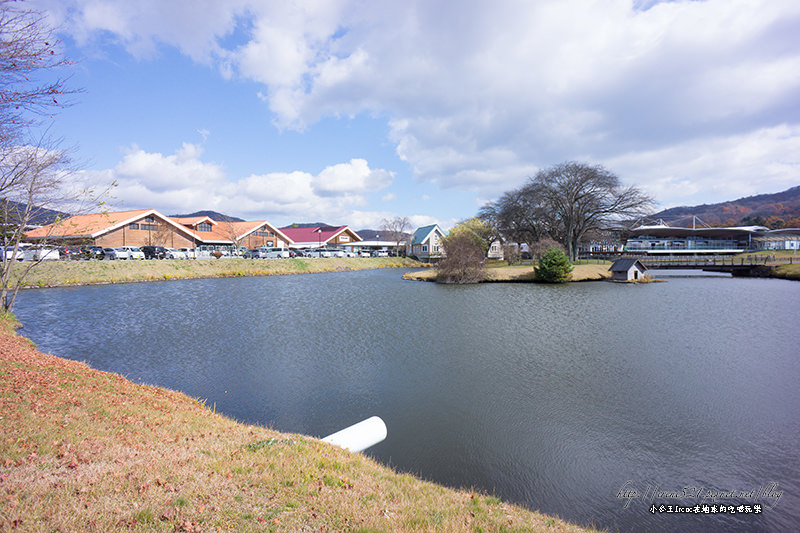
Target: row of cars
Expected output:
[147,252]
[285,253]
[47,253]
[51,253]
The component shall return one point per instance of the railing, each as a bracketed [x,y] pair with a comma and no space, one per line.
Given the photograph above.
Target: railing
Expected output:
[701,262]
[739,264]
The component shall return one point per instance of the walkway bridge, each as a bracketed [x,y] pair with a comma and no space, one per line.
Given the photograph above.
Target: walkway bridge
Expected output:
[756,265]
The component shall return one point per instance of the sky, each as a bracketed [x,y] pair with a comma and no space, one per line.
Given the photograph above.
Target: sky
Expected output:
[355,111]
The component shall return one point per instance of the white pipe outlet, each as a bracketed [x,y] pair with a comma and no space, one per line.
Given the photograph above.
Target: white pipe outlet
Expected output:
[359,436]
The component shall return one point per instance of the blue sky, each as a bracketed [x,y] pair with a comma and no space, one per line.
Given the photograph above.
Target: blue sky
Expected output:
[349,112]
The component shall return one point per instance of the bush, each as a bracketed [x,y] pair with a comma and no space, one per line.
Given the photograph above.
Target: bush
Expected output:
[554,267]
[464,260]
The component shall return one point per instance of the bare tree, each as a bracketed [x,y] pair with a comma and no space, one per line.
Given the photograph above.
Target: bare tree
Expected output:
[579,197]
[235,235]
[465,256]
[519,216]
[511,253]
[29,55]
[33,182]
[464,261]
[396,229]
[33,174]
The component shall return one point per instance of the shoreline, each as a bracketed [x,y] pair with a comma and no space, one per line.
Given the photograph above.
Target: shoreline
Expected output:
[593,272]
[523,274]
[87,449]
[83,273]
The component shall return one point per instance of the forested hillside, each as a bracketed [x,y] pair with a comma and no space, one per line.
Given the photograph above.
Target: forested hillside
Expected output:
[778,210]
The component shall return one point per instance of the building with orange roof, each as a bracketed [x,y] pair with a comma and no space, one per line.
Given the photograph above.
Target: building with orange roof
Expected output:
[247,234]
[141,227]
[148,227]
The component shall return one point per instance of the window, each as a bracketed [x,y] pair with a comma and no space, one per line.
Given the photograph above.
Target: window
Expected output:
[151,220]
[204,226]
[151,227]
[264,234]
[133,226]
[424,247]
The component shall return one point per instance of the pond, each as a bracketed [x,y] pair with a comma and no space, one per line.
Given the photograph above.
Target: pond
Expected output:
[593,401]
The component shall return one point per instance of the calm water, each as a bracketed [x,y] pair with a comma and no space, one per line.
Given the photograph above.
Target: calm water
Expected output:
[550,396]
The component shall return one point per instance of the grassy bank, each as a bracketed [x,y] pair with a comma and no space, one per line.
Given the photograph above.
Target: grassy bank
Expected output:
[59,273]
[523,273]
[84,450]
[791,271]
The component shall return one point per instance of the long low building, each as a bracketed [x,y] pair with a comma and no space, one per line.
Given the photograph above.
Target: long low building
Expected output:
[148,227]
[666,240]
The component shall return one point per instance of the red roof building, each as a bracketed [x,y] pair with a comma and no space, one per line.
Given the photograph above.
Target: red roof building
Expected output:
[320,236]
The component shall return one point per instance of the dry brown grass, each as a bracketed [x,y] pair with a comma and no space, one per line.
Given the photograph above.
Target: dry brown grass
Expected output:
[84,450]
[591,272]
[58,273]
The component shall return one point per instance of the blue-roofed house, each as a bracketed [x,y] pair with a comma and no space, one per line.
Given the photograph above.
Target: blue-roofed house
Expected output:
[426,243]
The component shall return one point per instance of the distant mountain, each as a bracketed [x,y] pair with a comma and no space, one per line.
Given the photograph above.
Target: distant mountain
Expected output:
[377,235]
[39,215]
[776,210]
[309,225]
[213,215]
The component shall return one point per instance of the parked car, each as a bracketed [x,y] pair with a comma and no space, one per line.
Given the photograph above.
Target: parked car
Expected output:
[69,252]
[172,253]
[134,252]
[256,253]
[42,253]
[380,253]
[154,252]
[191,253]
[93,252]
[8,253]
[364,253]
[116,253]
[338,253]
[297,253]
[319,253]
[277,253]
[350,253]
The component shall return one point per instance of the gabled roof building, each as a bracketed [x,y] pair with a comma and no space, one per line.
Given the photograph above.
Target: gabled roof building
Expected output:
[628,269]
[121,228]
[145,227]
[426,243]
[320,236]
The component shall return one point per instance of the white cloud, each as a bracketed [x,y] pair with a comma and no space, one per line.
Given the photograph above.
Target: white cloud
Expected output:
[727,167]
[195,27]
[183,182]
[352,177]
[481,96]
